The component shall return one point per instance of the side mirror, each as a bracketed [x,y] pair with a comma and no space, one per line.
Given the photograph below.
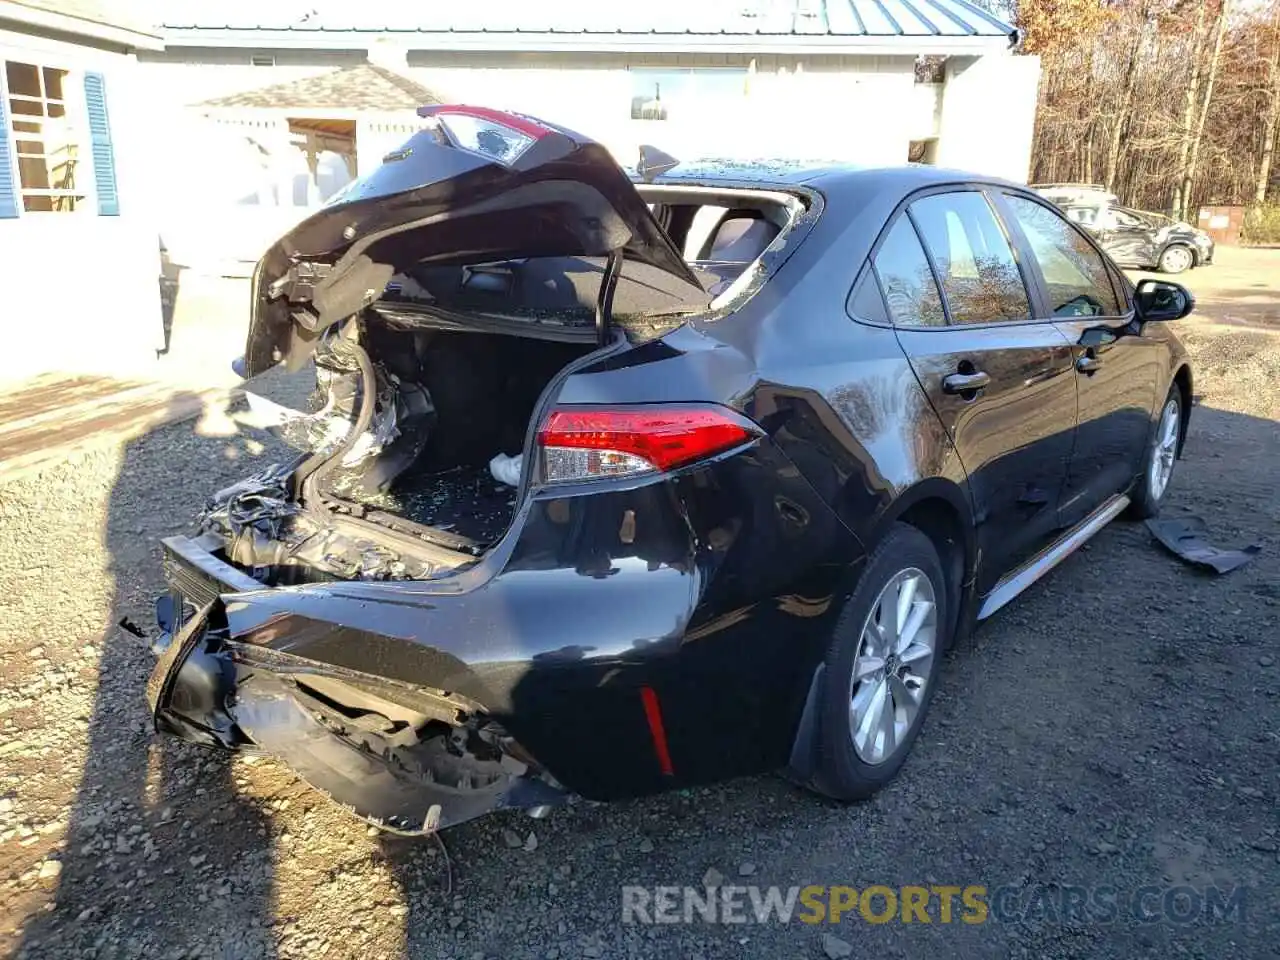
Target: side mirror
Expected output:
[1162,300]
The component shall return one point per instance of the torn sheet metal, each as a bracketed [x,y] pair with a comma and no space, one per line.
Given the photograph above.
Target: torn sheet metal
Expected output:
[1185,537]
[264,530]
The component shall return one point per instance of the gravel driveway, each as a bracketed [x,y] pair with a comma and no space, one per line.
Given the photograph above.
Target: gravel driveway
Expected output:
[1117,725]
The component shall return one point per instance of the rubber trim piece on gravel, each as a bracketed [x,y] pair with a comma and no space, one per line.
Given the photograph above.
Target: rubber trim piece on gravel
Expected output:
[1185,538]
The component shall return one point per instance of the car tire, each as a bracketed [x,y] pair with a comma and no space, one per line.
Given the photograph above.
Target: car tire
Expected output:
[1162,454]
[861,712]
[1176,258]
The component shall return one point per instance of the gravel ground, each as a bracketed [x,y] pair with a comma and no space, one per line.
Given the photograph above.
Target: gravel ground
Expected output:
[1117,725]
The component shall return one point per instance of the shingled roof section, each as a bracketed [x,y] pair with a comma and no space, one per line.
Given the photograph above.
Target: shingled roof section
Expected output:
[362,86]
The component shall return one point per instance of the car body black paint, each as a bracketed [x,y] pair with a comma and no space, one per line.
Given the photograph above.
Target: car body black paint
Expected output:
[717,586]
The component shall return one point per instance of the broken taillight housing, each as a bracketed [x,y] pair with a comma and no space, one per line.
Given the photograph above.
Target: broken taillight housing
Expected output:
[584,443]
[494,134]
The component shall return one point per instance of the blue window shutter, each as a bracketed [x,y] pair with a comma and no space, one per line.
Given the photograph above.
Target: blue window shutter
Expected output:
[8,189]
[104,159]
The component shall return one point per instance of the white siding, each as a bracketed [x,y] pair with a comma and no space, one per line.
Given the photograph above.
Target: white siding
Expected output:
[82,291]
[988,114]
[860,108]
[855,108]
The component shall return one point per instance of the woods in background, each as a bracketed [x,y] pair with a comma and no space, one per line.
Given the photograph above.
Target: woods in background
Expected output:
[1170,103]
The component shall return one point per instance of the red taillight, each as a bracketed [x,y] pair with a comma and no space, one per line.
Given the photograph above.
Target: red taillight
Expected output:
[512,121]
[493,134]
[583,443]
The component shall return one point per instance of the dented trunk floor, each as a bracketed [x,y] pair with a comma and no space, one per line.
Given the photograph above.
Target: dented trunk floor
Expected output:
[465,501]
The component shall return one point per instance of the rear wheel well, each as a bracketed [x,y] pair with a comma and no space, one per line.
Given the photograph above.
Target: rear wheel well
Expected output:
[940,522]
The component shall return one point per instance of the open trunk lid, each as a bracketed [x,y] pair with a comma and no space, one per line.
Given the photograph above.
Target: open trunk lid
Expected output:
[475,187]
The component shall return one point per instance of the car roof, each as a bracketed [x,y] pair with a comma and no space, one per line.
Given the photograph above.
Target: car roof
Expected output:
[821,174]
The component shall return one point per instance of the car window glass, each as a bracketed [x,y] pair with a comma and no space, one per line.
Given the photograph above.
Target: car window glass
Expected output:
[980,278]
[909,290]
[1085,216]
[1127,219]
[1074,273]
[866,302]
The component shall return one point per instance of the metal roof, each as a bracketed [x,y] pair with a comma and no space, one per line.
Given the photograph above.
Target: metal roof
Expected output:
[590,24]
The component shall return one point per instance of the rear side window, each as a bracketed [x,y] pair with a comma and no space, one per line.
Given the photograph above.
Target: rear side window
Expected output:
[975,264]
[1074,273]
[909,289]
[865,302]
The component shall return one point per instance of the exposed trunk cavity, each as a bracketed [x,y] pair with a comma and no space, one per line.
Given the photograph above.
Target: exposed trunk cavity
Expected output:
[448,403]
[399,486]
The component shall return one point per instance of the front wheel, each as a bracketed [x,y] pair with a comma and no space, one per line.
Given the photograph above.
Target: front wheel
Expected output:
[882,665]
[1176,259]
[1162,453]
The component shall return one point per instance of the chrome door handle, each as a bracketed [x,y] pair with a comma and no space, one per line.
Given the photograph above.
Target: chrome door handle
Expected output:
[965,382]
[1088,365]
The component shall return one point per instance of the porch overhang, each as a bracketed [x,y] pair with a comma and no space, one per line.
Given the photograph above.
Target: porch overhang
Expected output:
[41,17]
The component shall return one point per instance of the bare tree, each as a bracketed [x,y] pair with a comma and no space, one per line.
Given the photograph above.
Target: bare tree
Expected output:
[1211,76]
[1173,102]
[1189,110]
[1271,118]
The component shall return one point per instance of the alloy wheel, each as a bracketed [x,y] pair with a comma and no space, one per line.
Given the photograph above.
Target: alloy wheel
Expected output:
[895,653]
[1165,450]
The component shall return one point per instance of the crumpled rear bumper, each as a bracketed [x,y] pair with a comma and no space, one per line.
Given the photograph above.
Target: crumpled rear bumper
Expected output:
[210,689]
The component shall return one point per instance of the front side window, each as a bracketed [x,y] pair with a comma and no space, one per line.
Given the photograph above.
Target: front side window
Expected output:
[1074,273]
[1126,219]
[976,267]
[47,137]
[1085,216]
[910,292]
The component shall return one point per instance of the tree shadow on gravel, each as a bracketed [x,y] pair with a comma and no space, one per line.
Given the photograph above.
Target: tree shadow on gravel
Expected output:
[147,868]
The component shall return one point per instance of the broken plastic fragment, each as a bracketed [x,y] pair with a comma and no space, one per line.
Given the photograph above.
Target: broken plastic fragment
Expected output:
[1185,538]
[507,469]
[128,626]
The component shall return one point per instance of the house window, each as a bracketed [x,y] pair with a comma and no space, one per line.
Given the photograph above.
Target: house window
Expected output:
[48,138]
[681,94]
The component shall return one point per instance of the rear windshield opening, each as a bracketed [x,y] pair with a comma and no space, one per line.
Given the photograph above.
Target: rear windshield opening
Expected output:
[555,289]
[720,234]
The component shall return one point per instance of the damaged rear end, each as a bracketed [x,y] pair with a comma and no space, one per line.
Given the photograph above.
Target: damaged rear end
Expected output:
[407,758]
[469,591]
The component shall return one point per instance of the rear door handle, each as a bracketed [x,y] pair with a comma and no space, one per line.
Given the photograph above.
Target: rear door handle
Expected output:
[965,382]
[1088,365]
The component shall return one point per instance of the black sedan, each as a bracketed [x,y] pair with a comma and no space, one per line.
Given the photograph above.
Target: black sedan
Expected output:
[619,484]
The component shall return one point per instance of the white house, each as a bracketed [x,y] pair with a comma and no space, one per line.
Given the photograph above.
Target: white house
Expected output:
[870,81]
[80,254]
[245,114]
